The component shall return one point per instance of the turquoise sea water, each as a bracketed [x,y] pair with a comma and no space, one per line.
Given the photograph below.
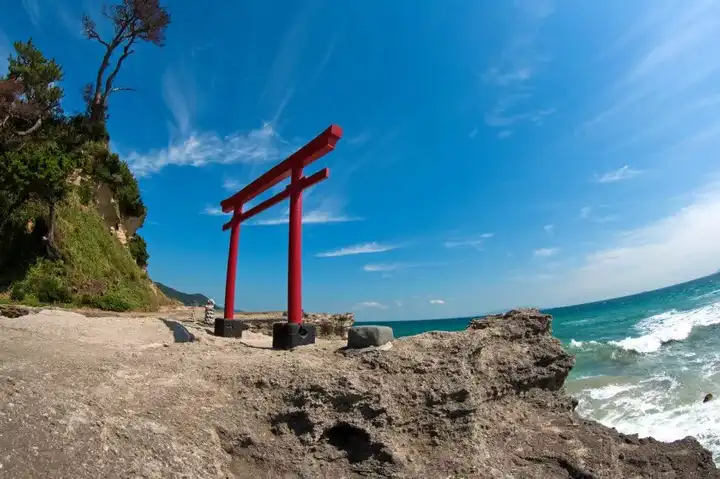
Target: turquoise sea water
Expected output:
[643,362]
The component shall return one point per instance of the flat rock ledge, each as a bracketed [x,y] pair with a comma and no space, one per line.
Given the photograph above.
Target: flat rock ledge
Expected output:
[96,398]
[328,325]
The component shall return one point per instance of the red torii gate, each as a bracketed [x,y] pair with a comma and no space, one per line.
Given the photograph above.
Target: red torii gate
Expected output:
[292,333]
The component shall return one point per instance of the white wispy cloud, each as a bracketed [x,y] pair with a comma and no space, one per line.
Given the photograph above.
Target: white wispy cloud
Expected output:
[311,217]
[362,248]
[387,267]
[32,7]
[71,20]
[545,252]
[585,212]
[179,94]
[437,301]
[520,63]
[622,173]
[359,139]
[232,184]
[549,229]
[476,242]
[398,303]
[284,77]
[370,304]
[646,103]
[513,76]
[318,210]
[473,133]
[504,134]
[374,268]
[200,149]
[607,218]
[213,211]
[679,246]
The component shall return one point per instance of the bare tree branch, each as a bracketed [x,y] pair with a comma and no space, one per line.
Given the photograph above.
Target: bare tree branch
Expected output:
[132,20]
[111,78]
[120,89]
[31,129]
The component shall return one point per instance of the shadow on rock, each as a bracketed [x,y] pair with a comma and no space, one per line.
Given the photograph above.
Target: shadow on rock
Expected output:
[180,332]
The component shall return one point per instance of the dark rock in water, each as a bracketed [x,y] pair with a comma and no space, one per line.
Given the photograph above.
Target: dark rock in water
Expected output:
[10,311]
[366,336]
[708,397]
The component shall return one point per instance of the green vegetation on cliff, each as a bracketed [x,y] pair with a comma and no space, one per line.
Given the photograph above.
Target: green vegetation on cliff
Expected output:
[62,240]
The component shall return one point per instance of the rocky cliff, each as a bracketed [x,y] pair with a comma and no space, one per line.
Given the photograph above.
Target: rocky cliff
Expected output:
[104,398]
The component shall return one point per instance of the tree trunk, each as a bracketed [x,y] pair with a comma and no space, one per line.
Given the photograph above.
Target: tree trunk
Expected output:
[97,112]
[52,249]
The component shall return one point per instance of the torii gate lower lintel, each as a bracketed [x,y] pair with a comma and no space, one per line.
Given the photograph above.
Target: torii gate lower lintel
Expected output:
[292,333]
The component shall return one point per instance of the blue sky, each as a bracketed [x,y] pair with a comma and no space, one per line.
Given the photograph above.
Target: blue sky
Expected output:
[495,154]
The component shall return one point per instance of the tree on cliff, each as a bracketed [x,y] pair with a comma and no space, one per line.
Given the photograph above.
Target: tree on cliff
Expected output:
[37,143]
[29,93]
[133,21]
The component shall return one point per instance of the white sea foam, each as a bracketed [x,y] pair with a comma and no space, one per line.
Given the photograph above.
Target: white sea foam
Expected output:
[582,344]
[669,326]
[609,391]
[644,415]
[665,407]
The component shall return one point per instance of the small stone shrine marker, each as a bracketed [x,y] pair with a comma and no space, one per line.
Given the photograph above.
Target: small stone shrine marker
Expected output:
[366,336]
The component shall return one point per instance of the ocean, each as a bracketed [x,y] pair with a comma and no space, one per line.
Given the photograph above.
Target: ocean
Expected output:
[643,363]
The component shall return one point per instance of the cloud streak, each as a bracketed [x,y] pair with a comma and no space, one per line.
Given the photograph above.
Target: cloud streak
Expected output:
[621,174]
[32,7]
[370,305]
[646,104]
[311,217]
[180,98]
[213,211]
[677,247]
[232,184]
[476,242]
[261,145]
[545,252]
[513,75]
[363,248]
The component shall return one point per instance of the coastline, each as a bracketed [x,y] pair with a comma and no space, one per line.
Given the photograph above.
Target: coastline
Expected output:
[131,395]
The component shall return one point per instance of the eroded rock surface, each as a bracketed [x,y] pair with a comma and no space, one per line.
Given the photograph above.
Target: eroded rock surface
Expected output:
[328,325]
[12,311]
[108,400]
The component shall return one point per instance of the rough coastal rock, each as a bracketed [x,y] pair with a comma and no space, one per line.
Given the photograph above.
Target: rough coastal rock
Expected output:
[12,311]
[329,326]
[101,400]
[486,402]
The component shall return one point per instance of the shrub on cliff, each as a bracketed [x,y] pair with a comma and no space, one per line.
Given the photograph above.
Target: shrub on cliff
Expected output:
[54,246]
[138,250]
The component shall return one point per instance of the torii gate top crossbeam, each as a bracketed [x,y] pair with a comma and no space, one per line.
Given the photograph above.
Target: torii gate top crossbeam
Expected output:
[316,148]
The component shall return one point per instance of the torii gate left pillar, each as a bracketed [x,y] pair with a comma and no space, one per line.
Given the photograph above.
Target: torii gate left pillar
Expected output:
[293,333]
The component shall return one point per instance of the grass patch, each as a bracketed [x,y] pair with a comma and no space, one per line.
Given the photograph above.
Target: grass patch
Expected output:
[96,270]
